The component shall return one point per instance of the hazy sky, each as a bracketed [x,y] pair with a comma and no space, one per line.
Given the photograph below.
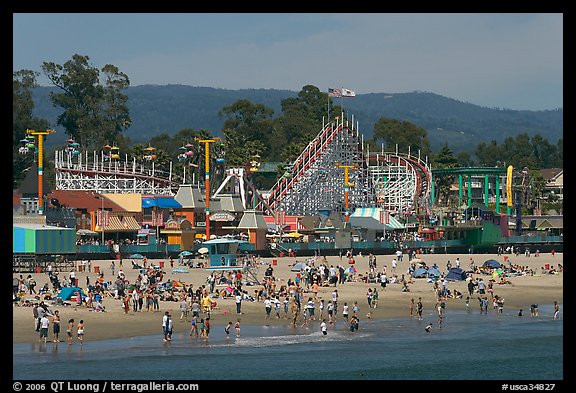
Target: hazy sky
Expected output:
[509,60]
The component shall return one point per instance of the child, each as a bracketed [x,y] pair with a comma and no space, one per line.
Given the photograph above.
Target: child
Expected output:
[194,327]
[286,304]
[227,329]
[237,328]
[69,330]
[428,327]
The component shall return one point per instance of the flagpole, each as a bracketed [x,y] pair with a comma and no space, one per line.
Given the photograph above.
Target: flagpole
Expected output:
[342,100]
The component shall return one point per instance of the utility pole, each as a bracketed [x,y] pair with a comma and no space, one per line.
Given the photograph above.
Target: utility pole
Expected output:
[40,138]
[207,179]
[347,186]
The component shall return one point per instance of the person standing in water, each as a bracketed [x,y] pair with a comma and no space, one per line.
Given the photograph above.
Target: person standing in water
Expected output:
[80,331]
[237,328]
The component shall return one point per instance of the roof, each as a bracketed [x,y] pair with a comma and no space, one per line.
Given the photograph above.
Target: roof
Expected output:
[365,223]
[543,222]
[80,199]
[43,227]
[374,212]
[129,202]
[160,202]
[551,173]
[252,219]
[227,202]
[190,197]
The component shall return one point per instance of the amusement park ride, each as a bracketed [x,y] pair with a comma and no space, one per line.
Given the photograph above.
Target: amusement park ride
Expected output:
[334,172]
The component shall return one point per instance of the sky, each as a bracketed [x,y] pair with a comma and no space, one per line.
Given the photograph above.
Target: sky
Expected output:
[497,60]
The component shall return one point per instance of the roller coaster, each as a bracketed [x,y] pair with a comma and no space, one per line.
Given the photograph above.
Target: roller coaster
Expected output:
[334,172]
[315,181]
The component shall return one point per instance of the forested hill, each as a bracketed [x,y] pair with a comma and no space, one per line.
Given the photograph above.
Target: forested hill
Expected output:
[169,108]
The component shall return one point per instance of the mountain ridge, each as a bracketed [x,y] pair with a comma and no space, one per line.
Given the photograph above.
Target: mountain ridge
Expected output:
[169,108]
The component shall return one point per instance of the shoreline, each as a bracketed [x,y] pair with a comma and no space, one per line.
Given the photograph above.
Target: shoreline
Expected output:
[393,303]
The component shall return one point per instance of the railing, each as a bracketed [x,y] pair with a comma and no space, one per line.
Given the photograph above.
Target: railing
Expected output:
[128,249]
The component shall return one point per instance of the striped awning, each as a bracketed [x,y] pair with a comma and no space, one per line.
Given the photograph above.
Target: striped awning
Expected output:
[374,212]
[121,224]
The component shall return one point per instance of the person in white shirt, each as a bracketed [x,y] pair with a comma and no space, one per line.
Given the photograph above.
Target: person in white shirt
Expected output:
[323,327]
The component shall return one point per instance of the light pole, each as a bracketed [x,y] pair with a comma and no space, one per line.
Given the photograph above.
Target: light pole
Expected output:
[207,179]
[40,135]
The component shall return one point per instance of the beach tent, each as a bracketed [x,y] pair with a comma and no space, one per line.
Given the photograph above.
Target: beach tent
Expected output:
[66,293]
[491,263]
[456,274]
[420,273]
[136,256]
[433,272]
[298,266]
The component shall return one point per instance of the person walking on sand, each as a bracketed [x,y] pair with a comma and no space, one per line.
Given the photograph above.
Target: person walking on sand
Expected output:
[237,328]
[268,307]
[126,303]
[80,331]
[238,302]
[69,330]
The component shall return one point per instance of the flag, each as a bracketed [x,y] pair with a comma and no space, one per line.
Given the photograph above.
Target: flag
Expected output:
[348,93]
[334,92]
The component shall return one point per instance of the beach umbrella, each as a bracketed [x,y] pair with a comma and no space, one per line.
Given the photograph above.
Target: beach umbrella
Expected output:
[177,284]
[136,256]
[203,250]
[185,253]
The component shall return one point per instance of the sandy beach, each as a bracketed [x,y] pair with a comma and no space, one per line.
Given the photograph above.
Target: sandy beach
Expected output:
[114,323]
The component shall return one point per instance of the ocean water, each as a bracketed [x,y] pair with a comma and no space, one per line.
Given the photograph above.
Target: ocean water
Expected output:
[469,346]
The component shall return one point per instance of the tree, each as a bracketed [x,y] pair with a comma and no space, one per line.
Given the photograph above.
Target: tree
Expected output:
[392,132]
[94,113]
[442,160]
[23,82]
[300,123]
[245,125]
